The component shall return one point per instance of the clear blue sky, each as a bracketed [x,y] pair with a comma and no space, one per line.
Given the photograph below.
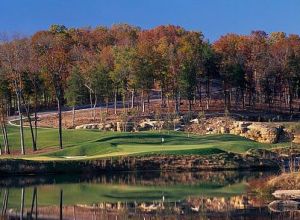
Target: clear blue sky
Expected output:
[213,17]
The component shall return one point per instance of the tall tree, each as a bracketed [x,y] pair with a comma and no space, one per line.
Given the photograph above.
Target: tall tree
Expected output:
[192,63]
[53,49]
[123,68]
[14,56]
[4,99]
[75,91]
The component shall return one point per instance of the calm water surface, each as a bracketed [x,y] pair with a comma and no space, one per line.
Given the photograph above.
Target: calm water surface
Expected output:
[150,195]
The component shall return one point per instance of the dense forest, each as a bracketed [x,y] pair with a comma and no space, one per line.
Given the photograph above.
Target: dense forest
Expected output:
[103,66]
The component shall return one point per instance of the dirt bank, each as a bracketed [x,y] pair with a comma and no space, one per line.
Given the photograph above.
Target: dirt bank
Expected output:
[222,161]
[286,181]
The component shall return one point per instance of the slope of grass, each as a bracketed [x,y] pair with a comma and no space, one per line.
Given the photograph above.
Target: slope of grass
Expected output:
[48,137]
[95,144]
[119,144]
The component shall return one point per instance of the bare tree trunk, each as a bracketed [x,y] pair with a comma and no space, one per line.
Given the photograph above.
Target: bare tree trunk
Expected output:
[200,95]
[225,100]
[94,107]
[176,103]
[107,106]
[230,97]
[179,100]
[22,203]
[59,122]
[61,205]
[207,91]
[21,123]
[115,102]
[143,102]
[34,148]
[59,99]
[91,101]
[123,102]
[33,201]
[195,94]
[243,99]
[163,100]
[100,114]
[74,213]
[132,99]
[190,105]
[36,205]
[291,105]
[5,139]
[168,103]
[148,101]
[35,116]
[73,116]
[5,202]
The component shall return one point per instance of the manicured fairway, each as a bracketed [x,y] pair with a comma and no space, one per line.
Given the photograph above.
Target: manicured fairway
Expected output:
[94,144]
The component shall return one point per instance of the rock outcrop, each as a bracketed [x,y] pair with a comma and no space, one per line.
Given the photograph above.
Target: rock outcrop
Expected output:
[261,132]
[258,131]
[109,126]
[88,126]
[296,138]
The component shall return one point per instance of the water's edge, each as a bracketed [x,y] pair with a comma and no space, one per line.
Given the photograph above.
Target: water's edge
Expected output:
[219,162]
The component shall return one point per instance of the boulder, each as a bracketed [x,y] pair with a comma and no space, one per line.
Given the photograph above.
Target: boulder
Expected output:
[286,135]
[285,205]
[224,130]
[262,133]
[128,126]
[79,127]
[87,126]
[257,131]
[195,121]
[120,126]
[108,126]
[287,194]
[149,124]
[296,139]
[101,126]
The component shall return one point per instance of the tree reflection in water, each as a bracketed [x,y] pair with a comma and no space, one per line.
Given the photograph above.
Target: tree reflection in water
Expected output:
[152,195]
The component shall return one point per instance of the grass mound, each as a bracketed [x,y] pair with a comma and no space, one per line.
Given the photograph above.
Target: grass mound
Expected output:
[149,143]
[95,144]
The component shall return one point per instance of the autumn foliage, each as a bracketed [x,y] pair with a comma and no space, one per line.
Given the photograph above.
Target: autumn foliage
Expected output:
[123,66]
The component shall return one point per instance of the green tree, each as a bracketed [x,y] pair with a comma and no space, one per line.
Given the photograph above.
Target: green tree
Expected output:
[123,69]
[75,91]
[191,52]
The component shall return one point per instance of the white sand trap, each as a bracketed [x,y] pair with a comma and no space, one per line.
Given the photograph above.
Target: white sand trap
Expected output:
[74,157]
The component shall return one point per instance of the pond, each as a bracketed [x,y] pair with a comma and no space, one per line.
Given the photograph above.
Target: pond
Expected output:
[138,195]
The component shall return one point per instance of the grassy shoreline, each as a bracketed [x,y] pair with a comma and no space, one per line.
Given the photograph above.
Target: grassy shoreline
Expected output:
[212,162]
[92,150]
[95,144]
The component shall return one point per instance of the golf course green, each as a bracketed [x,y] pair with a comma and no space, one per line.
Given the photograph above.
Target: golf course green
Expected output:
[92,144]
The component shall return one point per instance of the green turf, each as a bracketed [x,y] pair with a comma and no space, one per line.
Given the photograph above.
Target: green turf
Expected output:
[95,144]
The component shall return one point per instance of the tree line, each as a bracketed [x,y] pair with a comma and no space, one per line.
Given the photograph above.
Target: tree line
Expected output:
[125,63]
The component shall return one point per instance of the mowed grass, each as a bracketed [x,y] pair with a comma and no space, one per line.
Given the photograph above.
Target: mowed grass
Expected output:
[91,144]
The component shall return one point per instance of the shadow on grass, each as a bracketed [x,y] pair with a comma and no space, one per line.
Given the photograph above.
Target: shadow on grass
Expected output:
[174,139]
[203,151]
